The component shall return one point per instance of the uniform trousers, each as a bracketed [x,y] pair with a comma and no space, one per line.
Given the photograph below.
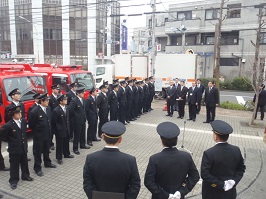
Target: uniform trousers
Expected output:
[210,110]
[103,117]
[16,160]
[41,147]
[62,146]
[113,115]
[79,136]
[121,114]
[2,163]
[198,107]
[92,130]
[71,126]
[192,110]
[128,113]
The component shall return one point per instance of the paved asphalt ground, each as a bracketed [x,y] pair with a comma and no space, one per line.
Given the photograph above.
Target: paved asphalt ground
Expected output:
[236,96]
[142,140]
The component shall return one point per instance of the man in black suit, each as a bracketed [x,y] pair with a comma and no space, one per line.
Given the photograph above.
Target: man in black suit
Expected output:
[141,98]
[122,101]
[35,102]
[102,105]
[60,126]
[130,100]
[77,111]
[201,90]
[53,103]
[177,84]
[40,124]
[146,96]
[222,166]
[15,133]
[92,117]
[181,97]
[70,96]
[170,173]
[211,101]
[102,167]
[151,91]
[261,101]
[15,95]
[135,108]
[113,102]
[193,99]
[170,98]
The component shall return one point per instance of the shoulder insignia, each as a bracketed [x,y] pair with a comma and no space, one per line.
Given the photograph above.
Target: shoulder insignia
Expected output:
[78,106]
[40,116]
[14,130]
[92,103]
[214,185]
[61,115]
[184,184]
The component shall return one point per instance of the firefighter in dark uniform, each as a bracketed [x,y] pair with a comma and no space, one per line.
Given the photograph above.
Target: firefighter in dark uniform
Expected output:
[77,112]
[102,105]
[122,101]
[222,166]
[152,92]
[15,95]
[130,99]
[35,102]
[102,167]
[40,124]
[92,117]
[135,87]
[15,133]
[141,98]
[71,95]
[60,126]
[113,102]
[2,162]
[170,173]
[146,96]
[53,103]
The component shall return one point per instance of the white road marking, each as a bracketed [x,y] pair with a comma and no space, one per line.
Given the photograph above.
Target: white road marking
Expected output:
[204,132]
[235,96]
[240,100]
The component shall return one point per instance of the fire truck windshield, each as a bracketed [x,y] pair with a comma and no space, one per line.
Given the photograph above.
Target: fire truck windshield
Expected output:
[83,79]
[28,86]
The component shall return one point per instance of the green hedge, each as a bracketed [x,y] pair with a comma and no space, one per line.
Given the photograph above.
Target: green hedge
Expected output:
[233,106]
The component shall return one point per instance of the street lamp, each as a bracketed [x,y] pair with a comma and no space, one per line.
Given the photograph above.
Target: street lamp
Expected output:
[36,35]
[181,29]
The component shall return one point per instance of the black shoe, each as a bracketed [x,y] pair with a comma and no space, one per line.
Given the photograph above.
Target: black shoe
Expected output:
[60,162]
[194,120]
[138,116]
[52,148]
[167,115]
[90,144]
[96,140]
[125,124]
[178,117]
[77,152]
[151,109]
[189,119]
[261,119]
[131,120]
[69,156]
[27,178]
[171,115]
[50,166]
[85,147]
[4,169]
[71,140]
[29,159]
[1,196]
[181,117]
[206,122]
[13,186]
[128,121]
[39,173]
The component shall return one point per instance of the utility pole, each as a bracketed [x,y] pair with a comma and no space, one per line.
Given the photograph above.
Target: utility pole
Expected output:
[153,48]
[105,12]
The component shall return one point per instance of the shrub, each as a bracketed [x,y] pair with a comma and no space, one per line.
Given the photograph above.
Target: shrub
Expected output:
[205,82]
[233,106]
[241,84]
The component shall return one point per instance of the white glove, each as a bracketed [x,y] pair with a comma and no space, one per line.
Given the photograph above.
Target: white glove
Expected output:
[177,195]
[171,196]
[229,184]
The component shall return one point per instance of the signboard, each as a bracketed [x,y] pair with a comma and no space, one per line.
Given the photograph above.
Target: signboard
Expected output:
[159,47]
[124,35]
[158,84]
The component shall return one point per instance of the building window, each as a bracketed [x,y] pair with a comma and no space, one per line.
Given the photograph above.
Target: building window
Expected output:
[234,10]
[263,38]
[229,62]
[166,19]
[150,23]
[19,2]
[3,3]
[212,14]
[184,15]
[230,38]
[52,34]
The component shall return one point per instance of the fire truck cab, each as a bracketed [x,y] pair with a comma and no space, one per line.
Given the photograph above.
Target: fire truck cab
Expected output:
[15,76]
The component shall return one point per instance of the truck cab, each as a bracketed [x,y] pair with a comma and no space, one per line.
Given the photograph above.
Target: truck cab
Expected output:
[14,76]
[104,72]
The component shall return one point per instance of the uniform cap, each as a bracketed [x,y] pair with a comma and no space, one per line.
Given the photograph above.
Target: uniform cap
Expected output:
[113,129]
[105,83]
[137,82]
[92,90]
[80,90]
[13,92]
[123,82]
[127,78]
[55,86]
[43,96]
[221,128]
[102,86]
[168,130]
[146,79]
[115,81]
[61,98]
[36,95]
[134,79]
[73,84]
[151,77]
[115,85]
[13,110]
[129,81]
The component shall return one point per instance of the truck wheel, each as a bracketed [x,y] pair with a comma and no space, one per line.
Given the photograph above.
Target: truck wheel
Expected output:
[160,95]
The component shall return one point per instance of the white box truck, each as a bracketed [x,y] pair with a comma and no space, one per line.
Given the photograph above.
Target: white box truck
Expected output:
[126,65]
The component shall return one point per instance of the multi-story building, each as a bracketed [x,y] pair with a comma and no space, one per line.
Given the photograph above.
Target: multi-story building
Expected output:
[59,31]
[239,28]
